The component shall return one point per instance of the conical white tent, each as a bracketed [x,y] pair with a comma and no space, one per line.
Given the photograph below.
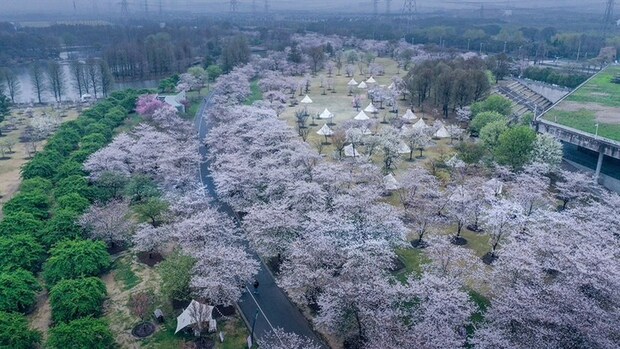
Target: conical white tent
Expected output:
[326,114]
[306,100]
[362,85]
[455,162]
[366,131]
[390,182]
[404,149]
[442,133]
[371,108]
[361,116]
[405,128]
[419,124]
[409,115]
[392,86]
[350,151]
[194,313]
[325,131]
[371,80]
[352,83]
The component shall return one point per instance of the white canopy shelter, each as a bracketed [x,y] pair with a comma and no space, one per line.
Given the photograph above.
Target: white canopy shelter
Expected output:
[371,80]
[325,131]
[404,149]
[366,131]
[371,108]
[390,182]
[192,314]
[392,86]
[442,132]
[409,115]
[362,85]
[419,124]
[326,114]
[405,128]
[361,116]
[306,100]
[352,83]
[455,162]
[350,151]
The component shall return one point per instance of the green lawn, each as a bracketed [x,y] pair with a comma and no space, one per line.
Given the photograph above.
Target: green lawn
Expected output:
[256,95]
[599,95]
[413,259]
[123,273]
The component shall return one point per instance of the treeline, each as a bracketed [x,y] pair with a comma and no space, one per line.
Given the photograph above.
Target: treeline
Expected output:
[40,232]
[448,84]
[556,77]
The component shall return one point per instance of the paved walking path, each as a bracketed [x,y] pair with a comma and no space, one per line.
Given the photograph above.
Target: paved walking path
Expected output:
[274,309]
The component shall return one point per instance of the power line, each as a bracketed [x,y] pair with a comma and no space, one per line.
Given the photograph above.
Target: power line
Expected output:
[609,15]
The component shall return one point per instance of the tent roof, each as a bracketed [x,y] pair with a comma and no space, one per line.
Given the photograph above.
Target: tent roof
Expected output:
[419,124]
[362,85]
[442,133]
[203,311]
[371,80]
[326,114]
[306,100]
[455,162]
[350,151]
[371,108]
[390,182]
[403,148]
[352,82]
[325,131]
[392,86]
[361,116]
[409,115]
[366,131]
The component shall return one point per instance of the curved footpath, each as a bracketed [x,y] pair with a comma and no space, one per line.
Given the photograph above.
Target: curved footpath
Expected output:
[274,308]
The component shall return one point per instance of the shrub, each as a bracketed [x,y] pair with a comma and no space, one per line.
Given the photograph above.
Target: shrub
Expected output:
[63,225]
[483,119]
[73,184]
[72,202]
[35,203]
[21,251]
[82,333]
[495,103]
[18,290]
[74,259]
[20,223]
[15,333]
[515,146]
[35,184]
[74,299]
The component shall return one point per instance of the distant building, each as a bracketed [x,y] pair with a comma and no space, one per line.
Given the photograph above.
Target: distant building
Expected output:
[175,100]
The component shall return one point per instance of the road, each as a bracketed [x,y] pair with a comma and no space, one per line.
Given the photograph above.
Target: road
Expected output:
[270,306]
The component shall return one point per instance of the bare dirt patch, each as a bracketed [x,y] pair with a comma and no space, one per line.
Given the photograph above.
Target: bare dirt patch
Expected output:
[41,318]
[10,176]
[603,114]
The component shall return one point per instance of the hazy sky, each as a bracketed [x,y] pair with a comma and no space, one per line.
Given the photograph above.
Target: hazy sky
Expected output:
[87,6]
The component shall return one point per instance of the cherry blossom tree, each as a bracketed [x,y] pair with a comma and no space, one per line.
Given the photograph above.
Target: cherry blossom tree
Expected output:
[109,222]
[279,339]
[547,150]
[148,104]
[501,220]
[574,187]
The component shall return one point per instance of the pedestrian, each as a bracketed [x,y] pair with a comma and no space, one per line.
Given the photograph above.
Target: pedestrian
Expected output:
[255,286]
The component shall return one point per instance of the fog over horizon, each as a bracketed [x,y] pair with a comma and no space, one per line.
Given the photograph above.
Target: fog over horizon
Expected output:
[89,7]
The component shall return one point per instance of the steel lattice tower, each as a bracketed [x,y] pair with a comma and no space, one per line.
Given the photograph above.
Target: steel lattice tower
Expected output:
[609,14]
[375,7]
[233,6]
[124,8]
[409,8]
[388,6]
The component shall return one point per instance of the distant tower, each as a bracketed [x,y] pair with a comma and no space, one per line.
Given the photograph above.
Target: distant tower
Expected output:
[409,8]
[609,14]
[124,8]
[146,7]
[375,7]
[266,6]
[161,8]
[253,6]
[388,6]
[233,6]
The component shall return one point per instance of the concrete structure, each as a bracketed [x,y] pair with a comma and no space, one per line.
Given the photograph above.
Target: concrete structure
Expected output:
[175,100]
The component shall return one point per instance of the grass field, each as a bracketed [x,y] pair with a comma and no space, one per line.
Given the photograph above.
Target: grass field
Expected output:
[598,101]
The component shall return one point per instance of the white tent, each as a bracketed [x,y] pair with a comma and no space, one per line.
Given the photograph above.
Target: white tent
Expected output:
[404,149]
[442,133]
[326,114]
[371,108]
[390,182]
[455,162]
[306,100]
[350,151]
[409,115]
[361,116]
[392,86]
[325,131]
[352,83]
[193,313]
[419,124]
[366,131]
[371,80]
[405,128]
[362,85]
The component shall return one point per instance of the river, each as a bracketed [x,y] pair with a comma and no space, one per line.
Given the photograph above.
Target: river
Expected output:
[28,94]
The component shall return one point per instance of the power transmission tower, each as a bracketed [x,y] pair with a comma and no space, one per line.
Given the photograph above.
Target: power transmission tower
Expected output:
[375,7]
[388,6]
[266,6]
[609,15]
[409,9]
[233,6]
[146,7]
[124,8]
[161,8]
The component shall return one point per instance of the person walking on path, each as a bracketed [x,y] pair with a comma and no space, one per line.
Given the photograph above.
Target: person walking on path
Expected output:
[256,286]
